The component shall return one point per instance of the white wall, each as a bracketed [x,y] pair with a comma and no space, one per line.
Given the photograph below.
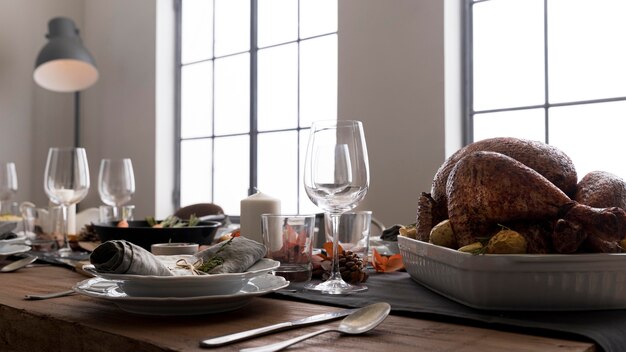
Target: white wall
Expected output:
[119,111]
[391,76]
[31,118]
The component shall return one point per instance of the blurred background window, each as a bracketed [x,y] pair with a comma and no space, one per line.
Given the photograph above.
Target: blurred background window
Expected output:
[549,70]
[253,75]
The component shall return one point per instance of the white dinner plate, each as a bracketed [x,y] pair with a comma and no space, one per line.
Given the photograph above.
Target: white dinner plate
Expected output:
[13,248]
[110,291]
[186,285]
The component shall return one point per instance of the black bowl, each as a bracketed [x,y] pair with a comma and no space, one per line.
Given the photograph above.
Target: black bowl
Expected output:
[141,234]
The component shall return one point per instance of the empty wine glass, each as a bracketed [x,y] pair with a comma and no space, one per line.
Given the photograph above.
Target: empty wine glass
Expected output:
[8,186]
[116,183]
[336,179]
[66,182]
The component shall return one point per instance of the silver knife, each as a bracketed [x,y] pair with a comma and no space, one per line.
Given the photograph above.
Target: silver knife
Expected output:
[225,339]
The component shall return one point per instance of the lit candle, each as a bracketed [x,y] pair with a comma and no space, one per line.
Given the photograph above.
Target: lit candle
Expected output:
[251,209]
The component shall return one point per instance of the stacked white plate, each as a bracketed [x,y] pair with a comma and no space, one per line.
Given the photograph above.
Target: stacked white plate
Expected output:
[14,245]
[183,295]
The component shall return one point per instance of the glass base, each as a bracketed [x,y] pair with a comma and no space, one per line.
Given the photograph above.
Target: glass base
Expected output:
[64,252]
[335,287]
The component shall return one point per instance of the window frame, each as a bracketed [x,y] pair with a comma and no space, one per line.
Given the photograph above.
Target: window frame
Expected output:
[468,78]
[253,132]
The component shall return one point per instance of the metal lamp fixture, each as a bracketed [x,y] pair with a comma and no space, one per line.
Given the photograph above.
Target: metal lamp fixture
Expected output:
[64,65]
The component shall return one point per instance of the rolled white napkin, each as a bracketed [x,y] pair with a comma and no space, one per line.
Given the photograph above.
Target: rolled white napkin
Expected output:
[238,255]
[123,257]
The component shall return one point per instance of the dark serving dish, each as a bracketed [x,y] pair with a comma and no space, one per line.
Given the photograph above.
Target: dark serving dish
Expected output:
[141,234]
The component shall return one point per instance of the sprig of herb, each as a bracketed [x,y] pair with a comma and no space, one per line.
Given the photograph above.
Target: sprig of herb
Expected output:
[214,260]
[173,221]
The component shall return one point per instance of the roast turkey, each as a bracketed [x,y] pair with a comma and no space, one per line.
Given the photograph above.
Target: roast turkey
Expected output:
[534,192]
[545,159]
[487,189]
[601,189]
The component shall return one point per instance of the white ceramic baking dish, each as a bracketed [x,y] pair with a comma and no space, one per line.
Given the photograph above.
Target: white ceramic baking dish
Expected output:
[519,281]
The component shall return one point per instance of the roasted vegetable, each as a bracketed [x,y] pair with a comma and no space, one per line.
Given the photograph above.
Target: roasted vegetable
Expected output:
[442,235]
[507,241]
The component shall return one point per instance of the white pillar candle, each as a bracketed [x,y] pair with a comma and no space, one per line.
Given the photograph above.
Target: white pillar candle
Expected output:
[251,209]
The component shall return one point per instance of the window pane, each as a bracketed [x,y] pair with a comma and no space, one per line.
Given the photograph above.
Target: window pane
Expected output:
[232,172]
[278,87]
[232,26]
[196,99]
[278,22]
[592,135]
[306,205]
[586,55]
[195,171]
[508,54]
[318,79]
[232,94]
[317,17]
[197,30]
[527,124]
[278,168]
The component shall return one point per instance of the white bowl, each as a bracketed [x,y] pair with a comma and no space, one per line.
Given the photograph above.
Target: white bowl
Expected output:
[519,281]
[174,248]
[186,285]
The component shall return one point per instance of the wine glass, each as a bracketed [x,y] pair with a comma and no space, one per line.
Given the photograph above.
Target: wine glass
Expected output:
[66,182]
[116,183]
[336,179]
[8,186]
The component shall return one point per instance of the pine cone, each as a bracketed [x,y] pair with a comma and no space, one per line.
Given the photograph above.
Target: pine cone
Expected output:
[351,267]
[88,234]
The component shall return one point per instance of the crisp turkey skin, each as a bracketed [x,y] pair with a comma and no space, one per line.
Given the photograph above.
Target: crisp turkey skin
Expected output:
[545,159]
[485,189]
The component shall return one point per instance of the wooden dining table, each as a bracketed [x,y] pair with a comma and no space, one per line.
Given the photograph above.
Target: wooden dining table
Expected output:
[82,323]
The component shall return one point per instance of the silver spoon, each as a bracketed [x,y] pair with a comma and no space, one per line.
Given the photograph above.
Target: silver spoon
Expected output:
[17,264]
[363,320]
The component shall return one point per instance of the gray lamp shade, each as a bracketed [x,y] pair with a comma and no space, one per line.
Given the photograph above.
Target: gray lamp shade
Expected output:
[64,65]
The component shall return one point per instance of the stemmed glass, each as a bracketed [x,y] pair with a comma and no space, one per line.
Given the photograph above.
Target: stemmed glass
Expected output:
[336,179]
[66,182]
[8,186]
[116,183]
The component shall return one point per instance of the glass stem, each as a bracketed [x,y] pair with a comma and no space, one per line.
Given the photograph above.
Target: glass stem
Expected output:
[65,227]
[335,274]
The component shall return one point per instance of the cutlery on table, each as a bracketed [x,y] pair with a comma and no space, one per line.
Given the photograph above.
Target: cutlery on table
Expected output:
[18,264]
[33,297]
[225,339]
[361,321]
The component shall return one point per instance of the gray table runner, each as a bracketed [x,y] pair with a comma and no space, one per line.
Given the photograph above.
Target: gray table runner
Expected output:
[607,327]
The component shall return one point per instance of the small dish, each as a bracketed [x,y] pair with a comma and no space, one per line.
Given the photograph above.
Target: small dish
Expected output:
[110,291]
[20,239]
[186,285]
[174,248]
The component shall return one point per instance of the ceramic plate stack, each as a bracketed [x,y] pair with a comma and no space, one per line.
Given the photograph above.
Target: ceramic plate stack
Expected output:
[519,281]
[14,245]
[183,295]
